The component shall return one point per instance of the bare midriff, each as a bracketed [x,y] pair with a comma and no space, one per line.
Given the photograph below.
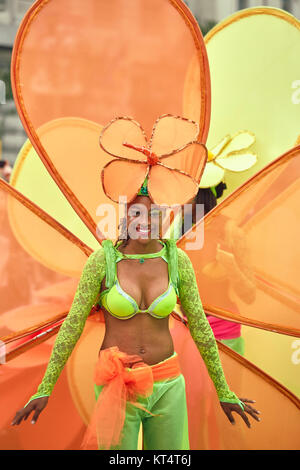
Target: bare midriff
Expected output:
[142,334]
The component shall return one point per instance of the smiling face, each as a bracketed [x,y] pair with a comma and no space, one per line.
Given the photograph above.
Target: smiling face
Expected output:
[144,220]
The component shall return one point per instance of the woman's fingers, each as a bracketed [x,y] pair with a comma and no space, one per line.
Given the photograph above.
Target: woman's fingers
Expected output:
[253,409]
[40,405]
[252,412]
[249,409]
[37,405]
[244,416]
[229,408]
[36,415]
[22,414]
[26,414]
[228,413]
[230,417]
[247,400]
[18,417]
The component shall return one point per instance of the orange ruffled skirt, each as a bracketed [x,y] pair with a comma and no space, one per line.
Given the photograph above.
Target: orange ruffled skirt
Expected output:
[124,379]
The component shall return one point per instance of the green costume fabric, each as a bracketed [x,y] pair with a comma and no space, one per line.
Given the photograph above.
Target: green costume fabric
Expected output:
[121,305]
[237,344]
[100,264]
[144,188]
[169,431]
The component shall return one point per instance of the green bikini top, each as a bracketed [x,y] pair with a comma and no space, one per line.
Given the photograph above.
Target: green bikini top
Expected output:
[120,304]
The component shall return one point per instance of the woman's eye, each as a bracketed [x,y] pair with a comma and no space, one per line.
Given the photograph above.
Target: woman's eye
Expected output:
[135,213]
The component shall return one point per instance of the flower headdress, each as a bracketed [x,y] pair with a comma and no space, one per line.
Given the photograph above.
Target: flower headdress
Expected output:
[171,162]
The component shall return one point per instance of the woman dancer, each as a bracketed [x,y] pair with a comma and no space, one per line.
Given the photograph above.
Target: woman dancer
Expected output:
[136,283]
[145,300]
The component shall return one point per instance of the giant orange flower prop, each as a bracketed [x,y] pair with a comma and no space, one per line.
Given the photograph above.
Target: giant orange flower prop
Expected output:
[172,160]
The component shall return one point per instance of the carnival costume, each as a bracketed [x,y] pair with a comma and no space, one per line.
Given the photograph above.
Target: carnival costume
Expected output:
[73,70]
[182,283]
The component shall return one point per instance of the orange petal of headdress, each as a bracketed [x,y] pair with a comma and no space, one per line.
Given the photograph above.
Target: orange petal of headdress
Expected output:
[171,134]
[123,130]
[123,178]
[169,186]
[174,138]
[191,160]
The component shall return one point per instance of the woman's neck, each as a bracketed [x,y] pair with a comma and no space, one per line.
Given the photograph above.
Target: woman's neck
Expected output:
[134,247]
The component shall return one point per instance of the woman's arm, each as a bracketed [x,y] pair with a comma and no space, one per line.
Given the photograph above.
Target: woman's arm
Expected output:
[200,329]
[71,329]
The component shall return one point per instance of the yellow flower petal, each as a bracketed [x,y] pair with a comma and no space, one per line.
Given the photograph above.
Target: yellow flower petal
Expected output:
[217,149]
[212,175]
[240,141]
[238,162]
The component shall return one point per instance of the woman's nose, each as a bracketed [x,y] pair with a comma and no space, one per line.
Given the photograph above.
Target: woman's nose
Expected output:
[145,218]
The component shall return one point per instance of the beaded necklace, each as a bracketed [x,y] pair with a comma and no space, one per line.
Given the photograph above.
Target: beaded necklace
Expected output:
[141,257]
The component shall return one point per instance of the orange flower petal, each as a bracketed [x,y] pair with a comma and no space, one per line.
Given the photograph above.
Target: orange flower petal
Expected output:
[191,160]
[123,178]
[172,133]
[169,187]
[123,130]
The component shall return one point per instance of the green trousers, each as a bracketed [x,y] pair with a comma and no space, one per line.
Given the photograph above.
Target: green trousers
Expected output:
[166,432]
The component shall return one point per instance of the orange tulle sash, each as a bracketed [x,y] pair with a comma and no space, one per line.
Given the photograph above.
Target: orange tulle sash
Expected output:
[124,377]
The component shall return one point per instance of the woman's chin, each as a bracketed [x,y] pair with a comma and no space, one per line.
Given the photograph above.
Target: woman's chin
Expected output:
[145,238]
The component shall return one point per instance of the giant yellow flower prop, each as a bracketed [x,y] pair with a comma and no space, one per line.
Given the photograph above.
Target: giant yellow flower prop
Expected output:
[231,153]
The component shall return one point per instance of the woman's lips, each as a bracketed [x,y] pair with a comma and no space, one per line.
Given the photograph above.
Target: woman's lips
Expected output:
[143,230]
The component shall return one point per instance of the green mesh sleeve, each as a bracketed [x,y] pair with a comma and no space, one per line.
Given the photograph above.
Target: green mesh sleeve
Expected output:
[86,294]
[200,328]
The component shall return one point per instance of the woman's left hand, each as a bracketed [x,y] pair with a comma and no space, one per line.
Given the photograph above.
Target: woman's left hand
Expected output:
[228,408]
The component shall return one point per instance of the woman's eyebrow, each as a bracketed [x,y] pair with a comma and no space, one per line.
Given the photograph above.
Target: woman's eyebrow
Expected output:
[133,210]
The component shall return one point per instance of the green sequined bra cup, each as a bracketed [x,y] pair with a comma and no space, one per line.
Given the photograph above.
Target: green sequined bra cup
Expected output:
[121,305]
[100,264]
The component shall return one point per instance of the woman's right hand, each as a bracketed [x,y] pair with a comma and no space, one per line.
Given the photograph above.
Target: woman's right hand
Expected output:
[37,405]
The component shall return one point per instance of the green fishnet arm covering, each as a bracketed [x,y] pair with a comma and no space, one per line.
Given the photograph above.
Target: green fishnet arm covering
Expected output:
[70,331]
[200,329]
